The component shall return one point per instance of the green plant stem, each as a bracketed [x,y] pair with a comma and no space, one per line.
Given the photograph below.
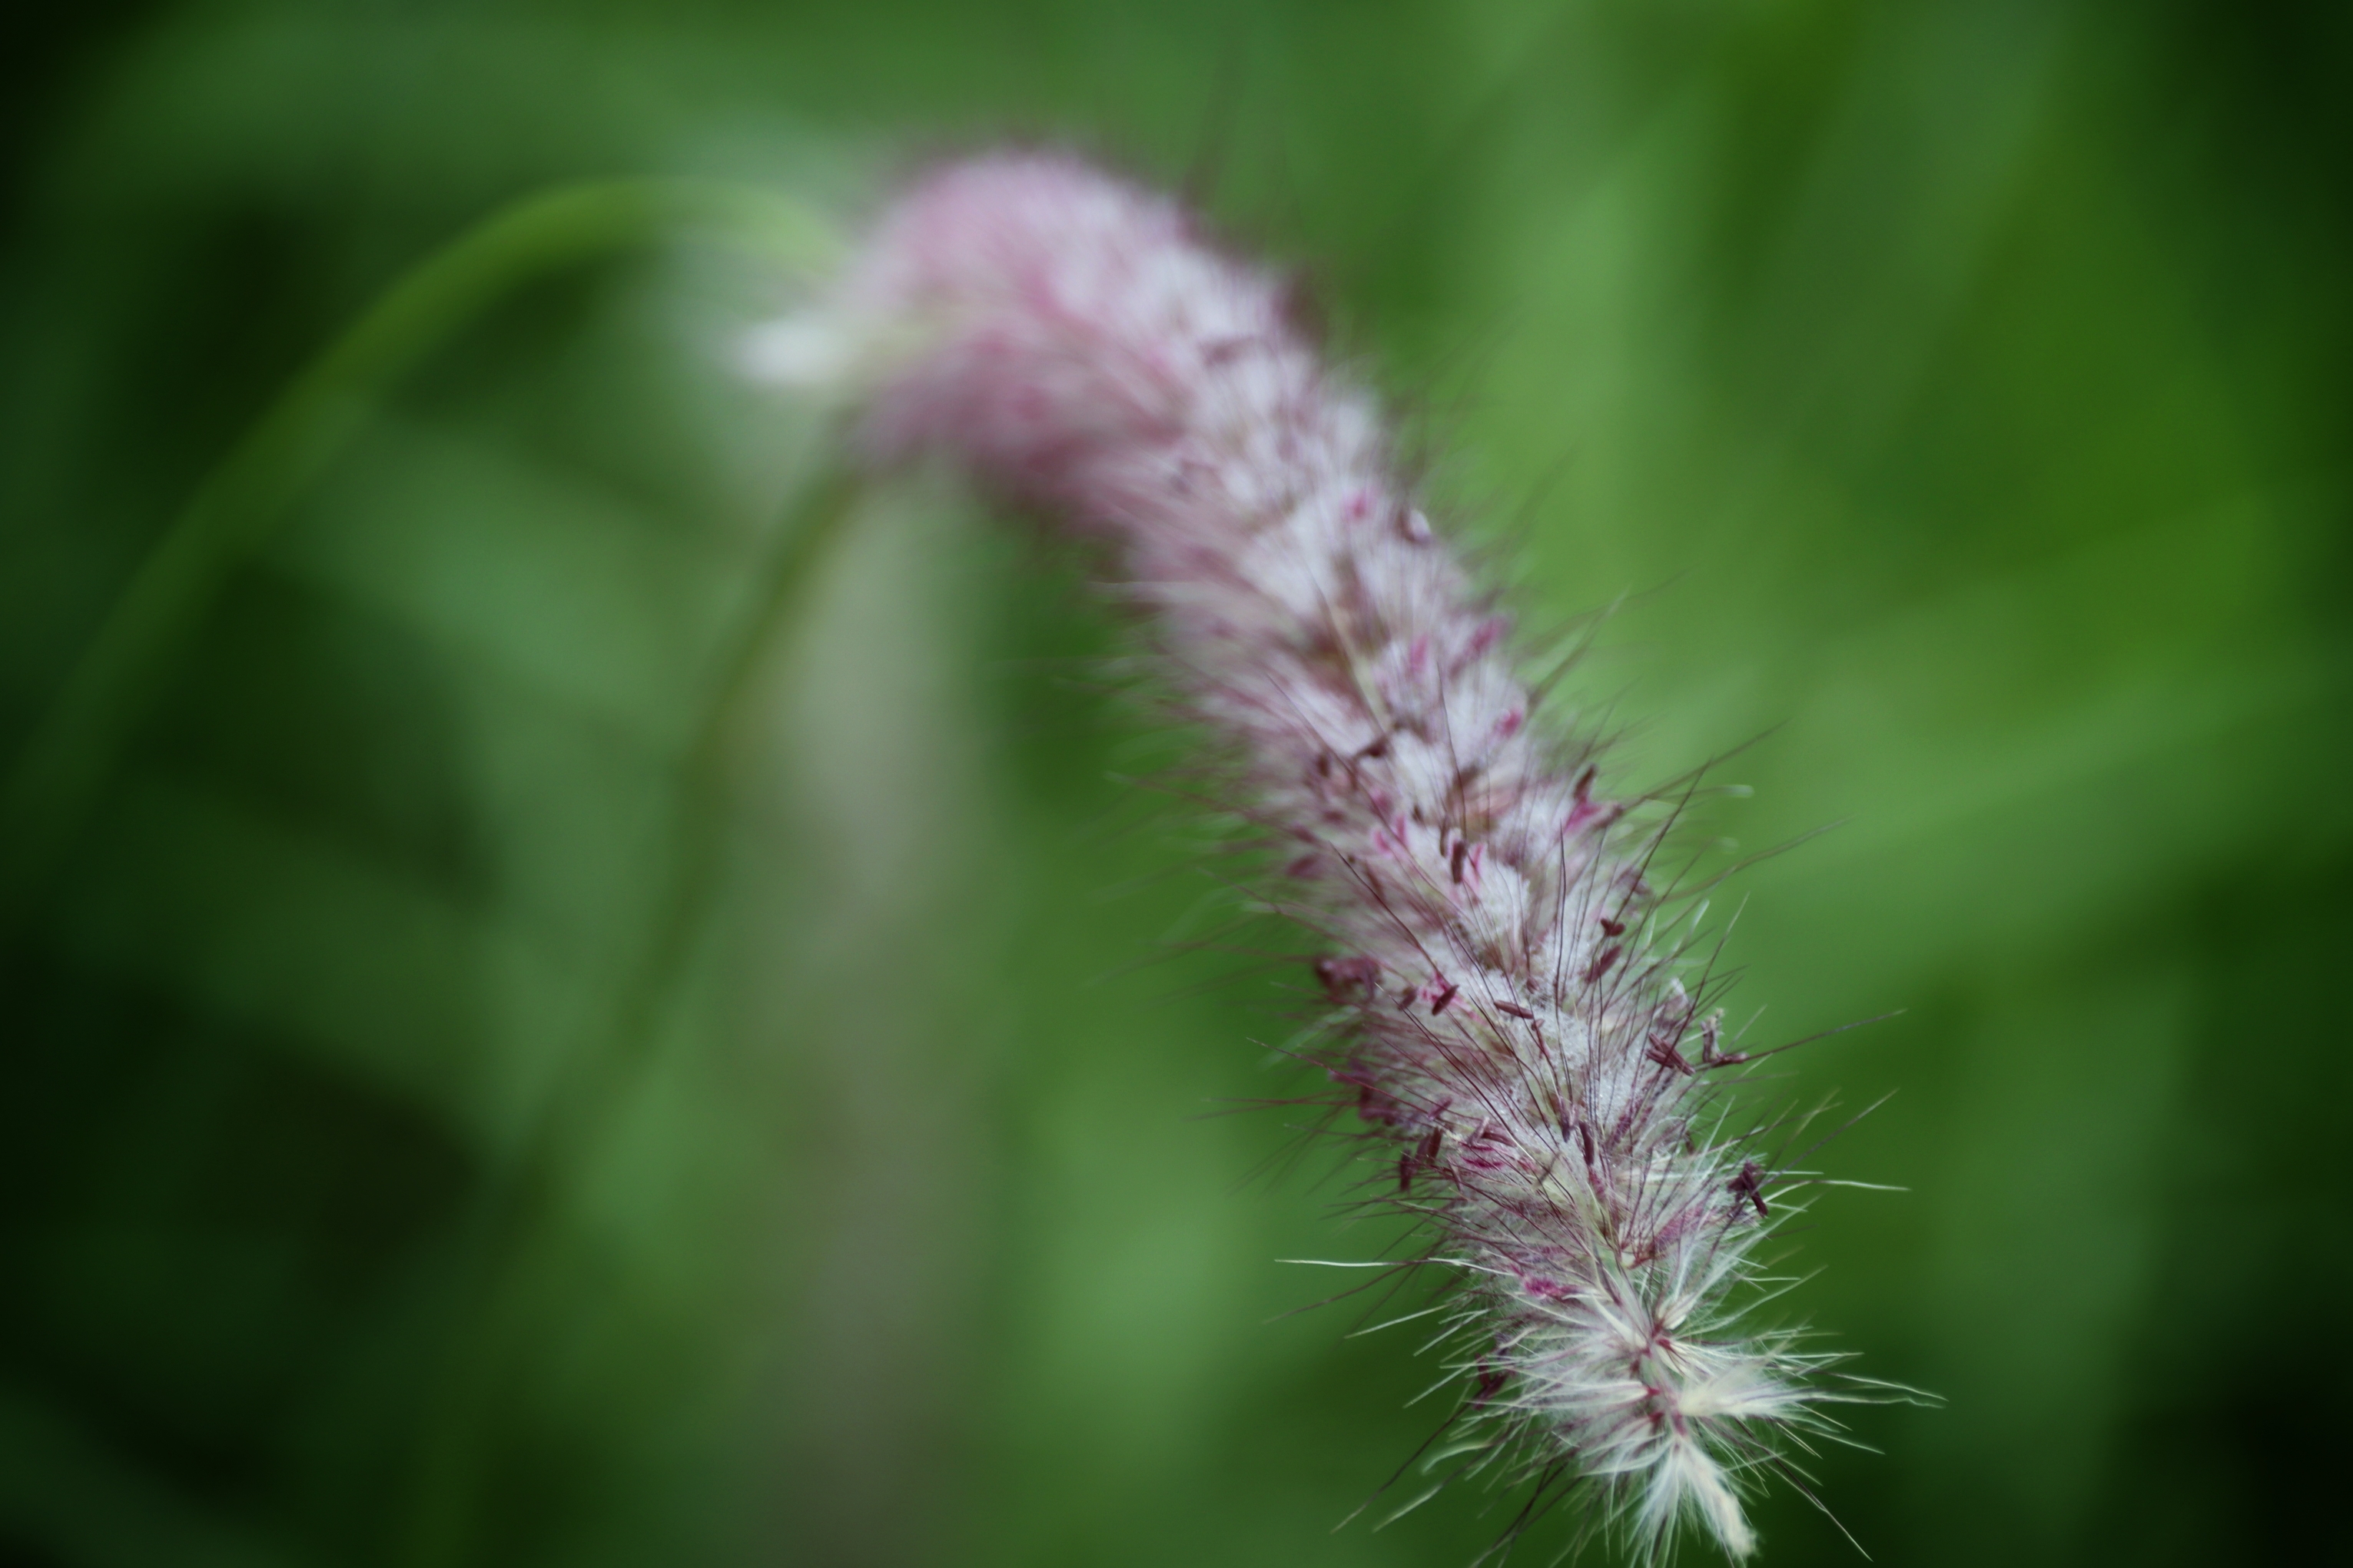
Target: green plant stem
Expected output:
[64,767]
[443,1521]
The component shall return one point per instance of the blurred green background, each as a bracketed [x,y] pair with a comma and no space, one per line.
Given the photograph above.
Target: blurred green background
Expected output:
[524,1061]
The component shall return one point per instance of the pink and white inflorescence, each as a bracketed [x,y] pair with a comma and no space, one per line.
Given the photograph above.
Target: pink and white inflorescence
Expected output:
[1508,1007]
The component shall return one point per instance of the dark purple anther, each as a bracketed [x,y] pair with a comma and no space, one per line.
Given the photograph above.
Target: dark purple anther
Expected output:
[1749,1184]
[1342,975]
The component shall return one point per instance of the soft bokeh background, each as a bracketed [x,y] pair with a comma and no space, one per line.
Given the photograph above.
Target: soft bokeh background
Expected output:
[499,1078]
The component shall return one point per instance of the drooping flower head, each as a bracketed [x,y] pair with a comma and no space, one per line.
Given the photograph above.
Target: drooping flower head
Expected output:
[1509,1011]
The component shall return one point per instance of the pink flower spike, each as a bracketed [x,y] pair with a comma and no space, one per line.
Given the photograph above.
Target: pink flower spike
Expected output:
[1069,339]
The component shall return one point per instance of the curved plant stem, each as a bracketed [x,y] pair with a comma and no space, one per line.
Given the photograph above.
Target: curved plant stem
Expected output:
[455,1456]
[56,779]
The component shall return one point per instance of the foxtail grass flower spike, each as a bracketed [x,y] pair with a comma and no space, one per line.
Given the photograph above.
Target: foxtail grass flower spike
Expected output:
[1509,1020]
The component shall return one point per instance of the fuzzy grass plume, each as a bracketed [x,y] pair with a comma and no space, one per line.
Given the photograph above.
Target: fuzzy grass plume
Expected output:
[1509,1002]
